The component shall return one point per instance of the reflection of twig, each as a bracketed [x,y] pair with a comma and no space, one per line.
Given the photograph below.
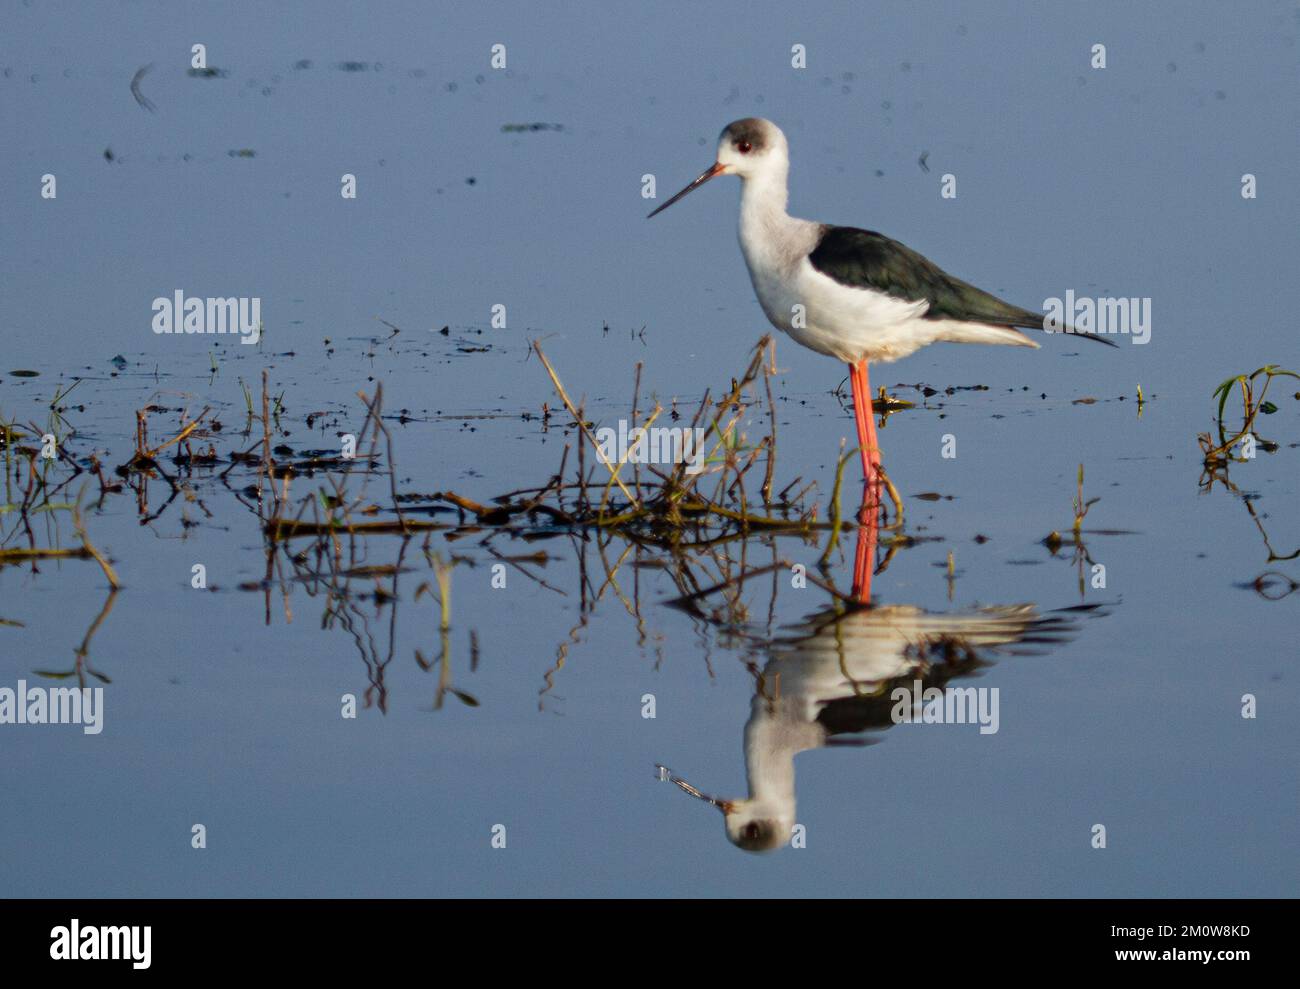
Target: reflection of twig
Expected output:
[836,515]
[375,412]
[80,526]
[531,576]
[82,652]
[442,574]
[1220,474]
[894,496]
[549,676]
[1264,585]
[140,98]
[737,581]
[21,553]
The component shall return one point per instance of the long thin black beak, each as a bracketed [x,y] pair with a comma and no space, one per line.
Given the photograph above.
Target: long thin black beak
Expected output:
[667,774]
[715,169]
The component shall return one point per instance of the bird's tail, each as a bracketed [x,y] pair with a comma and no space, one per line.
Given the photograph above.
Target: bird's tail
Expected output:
[1034,321]
[1079,333]
[958,331]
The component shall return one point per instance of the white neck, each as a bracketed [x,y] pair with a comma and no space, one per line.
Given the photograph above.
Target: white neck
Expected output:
[772,739]
[772,241]
[763,197]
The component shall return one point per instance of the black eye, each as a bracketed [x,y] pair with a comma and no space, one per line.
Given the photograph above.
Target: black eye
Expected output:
[744,147]
[752,831]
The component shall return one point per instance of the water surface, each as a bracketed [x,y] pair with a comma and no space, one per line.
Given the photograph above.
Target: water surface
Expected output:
[224,703]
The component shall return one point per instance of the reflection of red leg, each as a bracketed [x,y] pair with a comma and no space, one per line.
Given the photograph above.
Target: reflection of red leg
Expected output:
[864,561]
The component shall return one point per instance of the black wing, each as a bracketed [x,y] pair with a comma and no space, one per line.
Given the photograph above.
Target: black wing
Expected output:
[866,259]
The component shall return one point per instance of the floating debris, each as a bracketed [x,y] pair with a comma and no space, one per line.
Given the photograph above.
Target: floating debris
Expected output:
[525,128]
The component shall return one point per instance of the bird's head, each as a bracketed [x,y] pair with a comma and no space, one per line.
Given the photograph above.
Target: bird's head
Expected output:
[750,824]
[756,828]
[752,148]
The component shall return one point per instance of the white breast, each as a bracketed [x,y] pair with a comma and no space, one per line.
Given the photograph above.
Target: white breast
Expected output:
[815,310]
[774,245]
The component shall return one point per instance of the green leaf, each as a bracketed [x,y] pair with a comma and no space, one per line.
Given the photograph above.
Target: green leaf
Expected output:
[1268,408]
[1223,391]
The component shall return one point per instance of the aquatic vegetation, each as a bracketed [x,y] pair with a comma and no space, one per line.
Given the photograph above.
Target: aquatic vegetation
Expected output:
[716,520]
[1081,558]
[1254,404]
[1053,540]
[1239,445]
[32,489]
[668,503]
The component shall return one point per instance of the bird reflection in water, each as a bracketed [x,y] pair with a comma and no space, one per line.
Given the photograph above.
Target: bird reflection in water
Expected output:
[831,678]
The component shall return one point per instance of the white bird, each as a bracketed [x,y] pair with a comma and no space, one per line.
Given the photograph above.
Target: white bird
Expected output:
[851,294]
[834,675]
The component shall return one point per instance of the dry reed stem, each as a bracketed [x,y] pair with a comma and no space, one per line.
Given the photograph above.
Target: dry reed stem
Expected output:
[564,396]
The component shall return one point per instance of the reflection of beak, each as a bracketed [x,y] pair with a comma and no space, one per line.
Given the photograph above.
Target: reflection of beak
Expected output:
[664,771]
[717,168]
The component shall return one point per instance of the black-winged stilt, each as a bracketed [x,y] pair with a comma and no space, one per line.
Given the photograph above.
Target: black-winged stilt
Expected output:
[834,676]
[851,294]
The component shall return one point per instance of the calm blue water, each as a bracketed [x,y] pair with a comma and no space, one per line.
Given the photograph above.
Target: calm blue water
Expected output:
[1123,181]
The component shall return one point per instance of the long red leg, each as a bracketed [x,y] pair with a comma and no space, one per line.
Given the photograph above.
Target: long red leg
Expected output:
[855,380]
[866,423]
